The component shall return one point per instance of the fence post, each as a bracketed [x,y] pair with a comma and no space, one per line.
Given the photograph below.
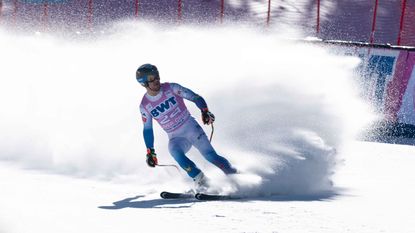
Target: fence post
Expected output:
[15,9]
[401,22]
[179,10]
[269,12]
[372,34]
[1,8]
[90,14]
[45,14]
[136,8]
[222,10]
[318,18]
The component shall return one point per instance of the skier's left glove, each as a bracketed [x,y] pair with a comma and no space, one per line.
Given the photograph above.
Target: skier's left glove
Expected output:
[151,157]
[207,117]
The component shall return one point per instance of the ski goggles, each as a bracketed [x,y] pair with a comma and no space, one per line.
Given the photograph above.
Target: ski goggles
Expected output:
[152,78]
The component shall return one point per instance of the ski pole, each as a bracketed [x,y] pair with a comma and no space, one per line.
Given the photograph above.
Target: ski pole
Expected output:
[169,165]
[211,133]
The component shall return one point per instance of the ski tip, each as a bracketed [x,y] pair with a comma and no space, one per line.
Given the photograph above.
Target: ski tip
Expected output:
[163,194]
[170,195]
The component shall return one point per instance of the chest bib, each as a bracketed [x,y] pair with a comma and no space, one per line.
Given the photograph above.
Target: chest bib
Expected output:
[169,110]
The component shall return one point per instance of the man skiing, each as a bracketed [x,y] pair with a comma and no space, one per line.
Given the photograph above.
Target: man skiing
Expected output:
[164,102]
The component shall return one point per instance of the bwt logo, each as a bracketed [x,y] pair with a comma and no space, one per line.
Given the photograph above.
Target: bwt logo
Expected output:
[162,107]
[43,1]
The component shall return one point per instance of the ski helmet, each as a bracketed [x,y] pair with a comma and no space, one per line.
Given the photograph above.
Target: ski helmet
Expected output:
[144,71]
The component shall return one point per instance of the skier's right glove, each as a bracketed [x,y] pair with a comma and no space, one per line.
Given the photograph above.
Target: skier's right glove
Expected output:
[151,157]
[207,117]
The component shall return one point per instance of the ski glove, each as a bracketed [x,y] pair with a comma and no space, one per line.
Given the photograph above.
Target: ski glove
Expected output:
[151,157]
[207,117]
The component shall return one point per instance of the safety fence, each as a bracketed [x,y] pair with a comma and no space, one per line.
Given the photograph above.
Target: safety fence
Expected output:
[364,18]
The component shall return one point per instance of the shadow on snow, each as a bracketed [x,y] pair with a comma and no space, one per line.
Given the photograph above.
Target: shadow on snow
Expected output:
[134,202]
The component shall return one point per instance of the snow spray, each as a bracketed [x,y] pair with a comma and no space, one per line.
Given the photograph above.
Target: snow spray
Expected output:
[283,108]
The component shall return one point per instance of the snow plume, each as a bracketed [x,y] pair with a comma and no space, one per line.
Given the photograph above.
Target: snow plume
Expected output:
[290,117]
[283,109]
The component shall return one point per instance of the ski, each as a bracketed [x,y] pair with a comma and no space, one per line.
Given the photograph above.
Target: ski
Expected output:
[170,195]
[198,196]
[214,197]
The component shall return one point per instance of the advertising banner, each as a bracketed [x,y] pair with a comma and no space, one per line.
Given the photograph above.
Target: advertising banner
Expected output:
[387,79]
[406,113]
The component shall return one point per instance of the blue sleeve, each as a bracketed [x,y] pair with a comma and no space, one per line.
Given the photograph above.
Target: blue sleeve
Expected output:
[148,137]
[148,133]
[189,95]
[200,103]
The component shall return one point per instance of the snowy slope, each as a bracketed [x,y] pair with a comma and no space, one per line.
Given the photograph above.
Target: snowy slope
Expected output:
[375,191]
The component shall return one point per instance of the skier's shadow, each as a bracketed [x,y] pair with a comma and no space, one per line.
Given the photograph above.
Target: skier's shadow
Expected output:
[132,202]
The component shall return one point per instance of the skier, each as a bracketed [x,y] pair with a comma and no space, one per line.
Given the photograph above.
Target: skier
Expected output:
[164,103]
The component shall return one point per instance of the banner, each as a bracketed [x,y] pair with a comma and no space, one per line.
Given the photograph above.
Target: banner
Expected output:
[388,81]
[406,113]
